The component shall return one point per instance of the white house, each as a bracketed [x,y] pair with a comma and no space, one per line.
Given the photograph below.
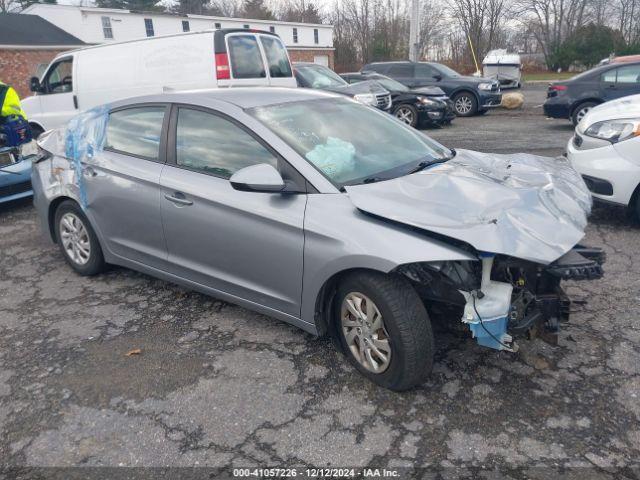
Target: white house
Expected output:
[305,41]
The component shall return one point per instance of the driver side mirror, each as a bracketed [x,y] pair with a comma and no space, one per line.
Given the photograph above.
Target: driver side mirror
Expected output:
[258,178]
[34,85]
[437,77]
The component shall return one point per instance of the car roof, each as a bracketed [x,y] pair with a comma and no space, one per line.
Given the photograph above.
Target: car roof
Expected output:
[243,97]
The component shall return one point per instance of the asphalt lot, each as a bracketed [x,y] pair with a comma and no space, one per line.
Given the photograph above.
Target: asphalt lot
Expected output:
[217,385]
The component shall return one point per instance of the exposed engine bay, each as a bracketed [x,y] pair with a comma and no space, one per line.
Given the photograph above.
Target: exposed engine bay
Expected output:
[500,298]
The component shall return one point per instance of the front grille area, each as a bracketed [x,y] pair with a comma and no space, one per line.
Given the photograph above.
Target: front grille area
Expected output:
[15,188]
[383,101]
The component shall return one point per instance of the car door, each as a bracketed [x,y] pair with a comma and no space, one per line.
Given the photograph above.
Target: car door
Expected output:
[57,98]
[246,244]
[621,82]
[277,60]
[122,184]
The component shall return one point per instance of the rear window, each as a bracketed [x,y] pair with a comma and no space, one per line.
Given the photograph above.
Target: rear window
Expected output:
[401,70]
[245,57]
[136,131]
[276,57]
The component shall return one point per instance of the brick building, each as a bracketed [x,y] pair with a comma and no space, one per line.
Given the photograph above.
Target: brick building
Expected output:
[27,44]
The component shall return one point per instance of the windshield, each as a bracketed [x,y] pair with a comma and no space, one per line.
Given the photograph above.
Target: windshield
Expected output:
[320,77]
[390,84]
[349,142]
[444,70]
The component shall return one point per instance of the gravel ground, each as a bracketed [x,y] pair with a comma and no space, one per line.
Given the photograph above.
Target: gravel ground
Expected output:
[216,385]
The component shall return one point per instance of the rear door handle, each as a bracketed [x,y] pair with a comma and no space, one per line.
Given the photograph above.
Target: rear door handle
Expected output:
[179,199]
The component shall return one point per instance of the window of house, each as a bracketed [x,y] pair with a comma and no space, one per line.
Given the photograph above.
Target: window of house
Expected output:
[185,26]
[148,26]
[107,31]
[136,131]
[295,35]
[246,60]
[217,25]
[214,145]
[272,29]
[315,36]
[246,26]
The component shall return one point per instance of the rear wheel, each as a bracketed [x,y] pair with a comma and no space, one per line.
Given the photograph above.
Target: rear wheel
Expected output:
[465,104]
[384,329]
[77,240]
[407,114]
[580,111]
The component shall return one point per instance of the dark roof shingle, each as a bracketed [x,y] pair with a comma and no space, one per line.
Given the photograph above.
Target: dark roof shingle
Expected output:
[22,29]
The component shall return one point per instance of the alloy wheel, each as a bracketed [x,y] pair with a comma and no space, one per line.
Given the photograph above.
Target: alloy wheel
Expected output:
[405,115]
[581,113]
[365,333]
[463,105]
[75,238]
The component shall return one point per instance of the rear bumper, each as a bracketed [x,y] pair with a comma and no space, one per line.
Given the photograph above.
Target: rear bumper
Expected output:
[556,107]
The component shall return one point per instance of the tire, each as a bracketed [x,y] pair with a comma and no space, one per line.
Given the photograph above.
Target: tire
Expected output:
[85,261]
[580,111]
[404,325]
[635,208]
[465,104]
[407,114]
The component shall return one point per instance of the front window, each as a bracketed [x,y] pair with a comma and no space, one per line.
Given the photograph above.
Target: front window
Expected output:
[214,145]
[148,26]
[317,76]
[349,142]
[276,57]
[246,60]
[59,78]
[106,28]
[445,71]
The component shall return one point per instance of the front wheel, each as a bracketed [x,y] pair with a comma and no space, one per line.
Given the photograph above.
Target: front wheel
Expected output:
[465,104]
[384,329]
[580,111]
[407,114]
[78,242]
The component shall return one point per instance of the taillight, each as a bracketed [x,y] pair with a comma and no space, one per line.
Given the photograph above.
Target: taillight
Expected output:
[222,67]
[557,88]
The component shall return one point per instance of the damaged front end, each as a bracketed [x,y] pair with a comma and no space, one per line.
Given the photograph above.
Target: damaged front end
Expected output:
[500,298]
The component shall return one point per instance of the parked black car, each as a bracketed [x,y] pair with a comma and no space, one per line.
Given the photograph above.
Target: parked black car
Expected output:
[312,75]
[419,107]
[573,98]
[470,95]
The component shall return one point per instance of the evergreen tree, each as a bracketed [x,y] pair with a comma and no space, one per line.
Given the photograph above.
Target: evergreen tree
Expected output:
[256,9]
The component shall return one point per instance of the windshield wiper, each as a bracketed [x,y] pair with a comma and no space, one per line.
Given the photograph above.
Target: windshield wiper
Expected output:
[427,163]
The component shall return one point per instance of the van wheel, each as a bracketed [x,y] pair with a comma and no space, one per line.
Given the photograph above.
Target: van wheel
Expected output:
[465,104]
[77,240]
[580,111]
[384,329]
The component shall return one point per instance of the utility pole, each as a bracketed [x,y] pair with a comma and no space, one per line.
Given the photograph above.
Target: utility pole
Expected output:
[414,30]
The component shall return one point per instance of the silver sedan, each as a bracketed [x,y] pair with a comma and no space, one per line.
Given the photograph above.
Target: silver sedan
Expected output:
[321,212]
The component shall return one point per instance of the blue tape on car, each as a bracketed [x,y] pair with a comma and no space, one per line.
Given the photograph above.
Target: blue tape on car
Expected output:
[84,137]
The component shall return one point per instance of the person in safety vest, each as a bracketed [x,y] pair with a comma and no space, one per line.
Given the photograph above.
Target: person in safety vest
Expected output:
[10,103]
[14,128]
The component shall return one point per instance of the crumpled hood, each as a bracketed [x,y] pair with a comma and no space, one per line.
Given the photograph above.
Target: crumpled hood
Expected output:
[526,206]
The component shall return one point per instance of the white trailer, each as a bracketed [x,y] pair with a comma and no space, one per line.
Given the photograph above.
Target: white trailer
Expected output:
[504,67]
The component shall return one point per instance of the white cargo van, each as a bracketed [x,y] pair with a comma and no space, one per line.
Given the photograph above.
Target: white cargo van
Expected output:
[82,79]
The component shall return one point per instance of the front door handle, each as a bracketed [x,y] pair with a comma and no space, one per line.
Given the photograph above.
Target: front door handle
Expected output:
[179,199]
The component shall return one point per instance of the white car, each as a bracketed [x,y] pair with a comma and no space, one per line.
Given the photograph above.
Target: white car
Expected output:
[605,150]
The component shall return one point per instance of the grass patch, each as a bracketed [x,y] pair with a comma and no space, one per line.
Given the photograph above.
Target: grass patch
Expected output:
[550,76]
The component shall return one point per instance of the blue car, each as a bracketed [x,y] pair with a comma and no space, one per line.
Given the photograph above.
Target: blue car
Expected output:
[15,177]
